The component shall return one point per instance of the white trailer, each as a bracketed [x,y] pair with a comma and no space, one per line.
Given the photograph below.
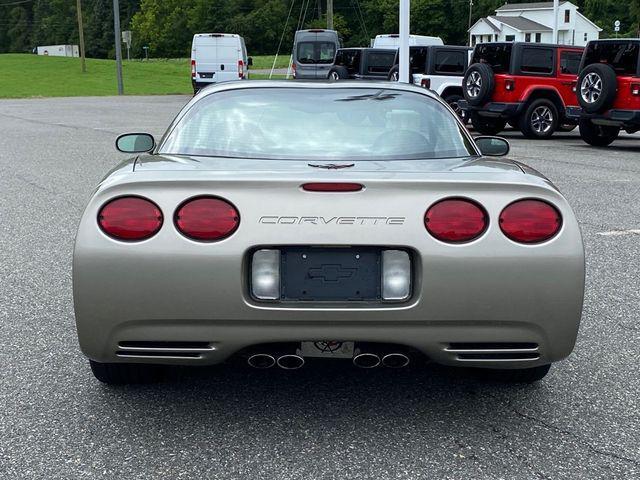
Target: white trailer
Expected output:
[59,50]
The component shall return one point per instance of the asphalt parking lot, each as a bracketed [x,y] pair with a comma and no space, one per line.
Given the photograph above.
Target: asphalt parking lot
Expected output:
[56,421]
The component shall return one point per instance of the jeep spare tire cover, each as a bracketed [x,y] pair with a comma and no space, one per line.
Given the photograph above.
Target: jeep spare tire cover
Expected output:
[478,84]
[597,88]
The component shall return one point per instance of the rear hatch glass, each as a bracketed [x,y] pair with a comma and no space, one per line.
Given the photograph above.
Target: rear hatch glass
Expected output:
[622,56]
[498,57]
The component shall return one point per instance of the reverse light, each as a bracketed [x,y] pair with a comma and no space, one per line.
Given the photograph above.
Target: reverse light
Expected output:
[130,218]
[265,274]
[396,275]
[456,220]
[193,69]
[207,219]
[425,83]
[530,221]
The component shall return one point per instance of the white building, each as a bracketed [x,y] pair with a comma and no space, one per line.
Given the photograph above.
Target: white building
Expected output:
[533,22]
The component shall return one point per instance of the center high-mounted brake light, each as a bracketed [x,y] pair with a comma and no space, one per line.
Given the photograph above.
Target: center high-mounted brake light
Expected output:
[207,219]
[332,187]
[193,69]
[456,220]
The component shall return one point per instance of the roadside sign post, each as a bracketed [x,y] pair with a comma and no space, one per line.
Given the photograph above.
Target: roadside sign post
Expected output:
[556,12]
[116,28]
[126,38]
[616,27]
[403,64]
[146,51]
[83,64]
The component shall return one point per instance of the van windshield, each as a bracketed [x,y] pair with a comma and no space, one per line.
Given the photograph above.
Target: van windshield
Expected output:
[316,52]
[318,124]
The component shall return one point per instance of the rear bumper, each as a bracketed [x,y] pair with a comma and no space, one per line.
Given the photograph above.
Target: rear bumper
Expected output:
[494,109]
[617,118]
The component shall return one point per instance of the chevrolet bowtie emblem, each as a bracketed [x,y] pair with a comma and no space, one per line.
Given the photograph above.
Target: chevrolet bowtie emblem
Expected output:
[331,166]
[331,273]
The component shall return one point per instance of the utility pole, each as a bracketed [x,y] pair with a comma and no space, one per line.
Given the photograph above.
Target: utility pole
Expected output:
[556,8]
[81,34]
[329,14]
[403,64]
[470,16]
[319,9]
[116,28]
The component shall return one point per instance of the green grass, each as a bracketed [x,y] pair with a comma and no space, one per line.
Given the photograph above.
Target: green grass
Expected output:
[24,75]
[266,61]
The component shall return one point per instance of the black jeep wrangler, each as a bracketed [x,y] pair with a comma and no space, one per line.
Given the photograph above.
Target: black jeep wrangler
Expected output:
[362,64]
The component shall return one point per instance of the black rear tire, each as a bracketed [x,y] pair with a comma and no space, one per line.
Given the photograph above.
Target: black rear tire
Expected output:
[126,373]
[539,120]
[597,135]
[338,73]
[453,101]
[478,84]
[487,126]
[597,87]
[520,375]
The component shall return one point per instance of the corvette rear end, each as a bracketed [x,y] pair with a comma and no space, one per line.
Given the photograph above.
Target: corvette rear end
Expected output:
[192,259]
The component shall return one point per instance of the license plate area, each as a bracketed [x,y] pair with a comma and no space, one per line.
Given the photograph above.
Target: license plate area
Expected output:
[340,274]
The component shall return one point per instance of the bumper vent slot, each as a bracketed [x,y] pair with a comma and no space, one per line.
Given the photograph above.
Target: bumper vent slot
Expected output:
[494,351]
[160,349]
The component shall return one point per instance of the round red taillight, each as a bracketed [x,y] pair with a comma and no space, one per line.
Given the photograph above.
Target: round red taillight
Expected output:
[456,220]
[530,221]
[130,218]
[207,219]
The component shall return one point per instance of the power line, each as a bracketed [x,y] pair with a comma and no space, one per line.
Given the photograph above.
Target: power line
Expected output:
[19,2]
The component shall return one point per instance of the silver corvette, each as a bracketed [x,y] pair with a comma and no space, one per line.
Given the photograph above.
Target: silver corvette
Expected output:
[279,222]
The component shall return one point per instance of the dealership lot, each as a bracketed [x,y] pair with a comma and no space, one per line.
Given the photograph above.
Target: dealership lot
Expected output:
[325,421]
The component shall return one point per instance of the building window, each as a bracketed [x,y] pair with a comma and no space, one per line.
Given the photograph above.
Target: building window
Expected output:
[527,37]
[567,16]
[585,36]
[510,38]
[538,37]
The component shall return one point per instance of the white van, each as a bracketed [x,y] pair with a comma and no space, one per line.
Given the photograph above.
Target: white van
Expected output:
[218,57]
[393,41]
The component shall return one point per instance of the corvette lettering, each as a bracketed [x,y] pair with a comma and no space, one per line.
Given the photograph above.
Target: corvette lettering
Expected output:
[277,220]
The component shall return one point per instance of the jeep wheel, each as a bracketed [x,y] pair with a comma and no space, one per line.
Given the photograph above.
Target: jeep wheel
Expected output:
[394,74]
[597,135]
[453,101]
[338,73]
[597,87]
[126,373]
[539,120]
[478,84]
[487,126]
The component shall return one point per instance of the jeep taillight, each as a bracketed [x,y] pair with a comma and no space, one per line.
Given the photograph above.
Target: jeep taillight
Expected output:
[635,89]
[510,84]
[425,83]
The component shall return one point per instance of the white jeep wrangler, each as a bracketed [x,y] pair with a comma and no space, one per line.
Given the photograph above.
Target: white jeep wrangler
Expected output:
[440,68]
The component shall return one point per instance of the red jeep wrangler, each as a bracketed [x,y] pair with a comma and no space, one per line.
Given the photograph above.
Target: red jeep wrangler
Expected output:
[528,85]
[608,90]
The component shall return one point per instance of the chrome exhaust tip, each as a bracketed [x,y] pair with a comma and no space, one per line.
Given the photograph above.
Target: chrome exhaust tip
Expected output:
[261,360]
[395,360]
[290,362]
[366,360]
